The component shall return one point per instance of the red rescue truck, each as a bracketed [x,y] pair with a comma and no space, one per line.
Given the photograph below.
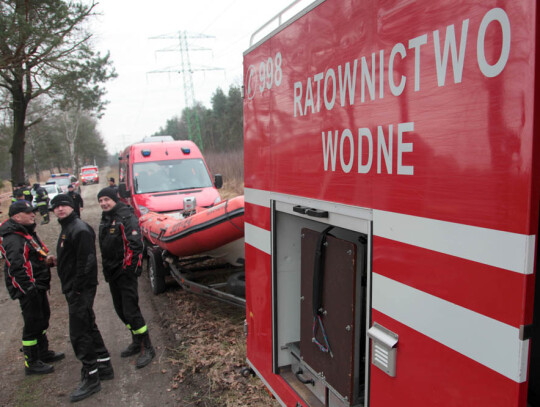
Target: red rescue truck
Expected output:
[158,173]
[89,175]
[392,200]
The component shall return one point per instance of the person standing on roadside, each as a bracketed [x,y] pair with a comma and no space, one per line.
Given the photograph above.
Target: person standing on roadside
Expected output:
[77,200]
[77,269]
[112,184]
[23,191]
[121,246]
[42,203]
[28,276]
[18,195]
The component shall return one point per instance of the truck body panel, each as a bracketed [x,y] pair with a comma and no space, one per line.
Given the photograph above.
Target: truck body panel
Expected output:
[412,125]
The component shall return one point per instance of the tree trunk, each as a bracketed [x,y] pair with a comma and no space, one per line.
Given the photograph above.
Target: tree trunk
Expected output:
[19,131]
[71,132]
[35,161]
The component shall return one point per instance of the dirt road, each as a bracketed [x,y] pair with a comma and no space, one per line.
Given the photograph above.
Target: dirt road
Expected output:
[150,386]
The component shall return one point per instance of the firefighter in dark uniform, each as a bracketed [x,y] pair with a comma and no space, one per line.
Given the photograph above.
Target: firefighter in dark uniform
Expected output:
[121,246]
[112,184]
[23,191]
[28,277]
[42,203]
[18,195]
[77,269]
[77,200]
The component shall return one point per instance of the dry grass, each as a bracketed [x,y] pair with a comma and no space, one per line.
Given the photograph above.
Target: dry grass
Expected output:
[231,166]
[4,206]
[211,352]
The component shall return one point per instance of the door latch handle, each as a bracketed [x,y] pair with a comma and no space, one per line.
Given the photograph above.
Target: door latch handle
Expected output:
[316,213]
[302,379]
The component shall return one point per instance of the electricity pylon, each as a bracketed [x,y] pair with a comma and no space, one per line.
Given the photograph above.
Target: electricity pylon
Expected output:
[192,115]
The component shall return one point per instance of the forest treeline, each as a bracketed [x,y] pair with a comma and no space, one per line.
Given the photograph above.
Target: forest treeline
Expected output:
[47,149]
[52,82]
[221,125]
[52,93]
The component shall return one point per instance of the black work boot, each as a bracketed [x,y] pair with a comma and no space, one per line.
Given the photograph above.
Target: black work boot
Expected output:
[45,354]
[32,363]
[45,219]
[89,385]
[105,369]
[147,351]
[133,348]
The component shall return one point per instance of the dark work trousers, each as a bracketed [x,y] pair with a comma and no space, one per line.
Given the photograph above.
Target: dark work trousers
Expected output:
[84,334]
[36,314]
[43,210]
[126,300]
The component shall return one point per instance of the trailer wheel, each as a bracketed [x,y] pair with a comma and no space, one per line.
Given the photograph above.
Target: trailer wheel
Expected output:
[236,284]
[247,371]
[156,272]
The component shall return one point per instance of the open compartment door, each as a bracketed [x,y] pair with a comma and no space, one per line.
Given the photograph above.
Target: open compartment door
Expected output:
[327,339]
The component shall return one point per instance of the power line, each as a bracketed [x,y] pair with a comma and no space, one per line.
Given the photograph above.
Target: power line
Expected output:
[186,70]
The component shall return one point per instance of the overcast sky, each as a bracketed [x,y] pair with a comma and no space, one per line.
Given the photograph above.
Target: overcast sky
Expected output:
[140,102]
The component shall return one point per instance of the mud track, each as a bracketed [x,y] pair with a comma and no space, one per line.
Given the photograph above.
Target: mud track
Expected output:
[199,342]
[150,386]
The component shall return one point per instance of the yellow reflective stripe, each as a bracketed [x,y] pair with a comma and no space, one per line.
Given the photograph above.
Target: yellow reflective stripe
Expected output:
[140,330]
[33,342]
[128,326]
[41,203]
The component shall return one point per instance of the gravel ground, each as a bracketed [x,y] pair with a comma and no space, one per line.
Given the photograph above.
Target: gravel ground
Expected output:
[199,343]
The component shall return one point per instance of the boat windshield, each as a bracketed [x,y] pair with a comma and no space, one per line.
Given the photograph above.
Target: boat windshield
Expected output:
[172,175]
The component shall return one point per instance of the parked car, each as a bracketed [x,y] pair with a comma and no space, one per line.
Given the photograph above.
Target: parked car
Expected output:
[63,180]
[89,175]
[52,189]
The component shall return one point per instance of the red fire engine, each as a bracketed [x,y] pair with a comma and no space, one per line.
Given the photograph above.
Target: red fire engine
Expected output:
[392,200]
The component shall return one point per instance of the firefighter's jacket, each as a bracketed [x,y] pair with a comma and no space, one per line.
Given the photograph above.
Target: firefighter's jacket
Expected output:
[41,196]
[27,193]
[77,200]
[120,241]
[25,255]
[76,252]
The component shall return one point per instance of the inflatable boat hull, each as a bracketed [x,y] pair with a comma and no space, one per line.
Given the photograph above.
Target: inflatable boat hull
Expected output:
[202,232]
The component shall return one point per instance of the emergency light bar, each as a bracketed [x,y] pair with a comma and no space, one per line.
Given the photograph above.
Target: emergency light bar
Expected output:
[145,153]
[185,150]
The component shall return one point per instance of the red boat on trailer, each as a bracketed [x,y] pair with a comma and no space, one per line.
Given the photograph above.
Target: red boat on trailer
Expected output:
[202,232]
[175,244]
